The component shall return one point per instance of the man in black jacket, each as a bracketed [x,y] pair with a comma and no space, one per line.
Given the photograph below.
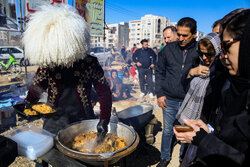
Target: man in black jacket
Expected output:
[171,83]
[145,59]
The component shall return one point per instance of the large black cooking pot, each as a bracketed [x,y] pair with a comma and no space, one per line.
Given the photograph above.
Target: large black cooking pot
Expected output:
[137,116]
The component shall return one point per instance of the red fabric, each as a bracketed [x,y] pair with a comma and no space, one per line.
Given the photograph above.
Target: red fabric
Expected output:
[132,71]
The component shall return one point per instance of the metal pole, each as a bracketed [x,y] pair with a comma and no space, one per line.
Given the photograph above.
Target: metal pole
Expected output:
[21,26]
[104,27]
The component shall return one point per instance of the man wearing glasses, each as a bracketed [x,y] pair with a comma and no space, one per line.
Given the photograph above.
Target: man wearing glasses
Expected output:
[171,84]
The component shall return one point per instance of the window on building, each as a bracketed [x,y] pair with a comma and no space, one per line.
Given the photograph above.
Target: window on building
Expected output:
[159,26]
[149,21]
[98,39]
[113,30]
[132,25]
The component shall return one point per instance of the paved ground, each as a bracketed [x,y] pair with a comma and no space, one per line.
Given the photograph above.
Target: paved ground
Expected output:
[6,80]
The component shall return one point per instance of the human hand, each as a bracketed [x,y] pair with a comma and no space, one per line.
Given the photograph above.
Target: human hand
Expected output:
[124,95]
[152,66]
[161,102]
[115,95]
[187,137]
[200,70]
[102,129]
[138,64]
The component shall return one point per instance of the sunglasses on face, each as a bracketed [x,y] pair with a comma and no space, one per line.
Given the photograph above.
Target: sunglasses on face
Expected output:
[208,55]
[184,35]
[225,45]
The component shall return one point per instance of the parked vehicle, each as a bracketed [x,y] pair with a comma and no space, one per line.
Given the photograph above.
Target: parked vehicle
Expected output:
[15,51]
[12,66]
[104,56]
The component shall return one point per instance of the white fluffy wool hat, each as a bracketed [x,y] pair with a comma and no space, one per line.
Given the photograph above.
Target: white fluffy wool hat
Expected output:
[56,35]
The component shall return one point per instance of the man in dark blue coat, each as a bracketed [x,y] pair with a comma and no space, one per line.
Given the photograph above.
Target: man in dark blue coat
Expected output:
[145,60]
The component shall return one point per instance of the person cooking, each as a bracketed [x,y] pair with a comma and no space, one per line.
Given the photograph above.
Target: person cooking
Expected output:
[58,40]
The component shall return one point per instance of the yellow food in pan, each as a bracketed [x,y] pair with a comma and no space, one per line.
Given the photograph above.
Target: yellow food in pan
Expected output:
[87,143]
[30,112]
[43,108]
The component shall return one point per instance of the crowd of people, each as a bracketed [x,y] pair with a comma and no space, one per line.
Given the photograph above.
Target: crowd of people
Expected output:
[204,85]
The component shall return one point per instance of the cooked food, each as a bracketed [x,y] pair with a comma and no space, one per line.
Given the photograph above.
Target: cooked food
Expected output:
[43,108]
[86,142]
[30,112]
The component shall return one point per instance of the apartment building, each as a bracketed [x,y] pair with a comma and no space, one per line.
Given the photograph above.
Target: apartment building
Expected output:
[150,27]
[134,33]
[117,35]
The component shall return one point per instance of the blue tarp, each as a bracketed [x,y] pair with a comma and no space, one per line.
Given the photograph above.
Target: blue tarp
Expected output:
[8,99]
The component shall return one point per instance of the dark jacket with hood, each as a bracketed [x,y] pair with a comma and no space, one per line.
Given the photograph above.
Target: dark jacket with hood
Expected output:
[172,69]
[230,144]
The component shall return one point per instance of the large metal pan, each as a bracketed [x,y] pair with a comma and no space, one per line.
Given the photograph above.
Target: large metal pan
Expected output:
[137,116]
[65,138]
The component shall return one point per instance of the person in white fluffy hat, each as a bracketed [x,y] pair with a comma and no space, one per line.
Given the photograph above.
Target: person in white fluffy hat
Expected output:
[57,39]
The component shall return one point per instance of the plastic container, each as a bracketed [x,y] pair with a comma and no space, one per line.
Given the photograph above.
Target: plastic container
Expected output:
[32,141]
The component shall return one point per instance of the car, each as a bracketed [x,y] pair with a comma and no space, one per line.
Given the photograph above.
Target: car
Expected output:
[16,51]
[104,56]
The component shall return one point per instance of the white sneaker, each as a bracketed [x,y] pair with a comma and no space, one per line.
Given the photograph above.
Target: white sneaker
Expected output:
[142,95]
[151,96]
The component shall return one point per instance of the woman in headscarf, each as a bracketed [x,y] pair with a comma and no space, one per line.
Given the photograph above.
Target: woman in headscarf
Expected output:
[209,51]
[118,89]
[57,39]
[228,145]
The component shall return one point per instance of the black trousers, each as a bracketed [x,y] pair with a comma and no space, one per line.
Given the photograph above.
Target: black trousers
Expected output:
[145,77]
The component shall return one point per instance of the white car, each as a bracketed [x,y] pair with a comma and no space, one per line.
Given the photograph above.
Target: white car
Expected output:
[6,50]
[105,58]
[16,51]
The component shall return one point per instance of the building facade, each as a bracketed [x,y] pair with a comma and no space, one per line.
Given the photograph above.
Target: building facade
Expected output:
[150,27]
[116,35]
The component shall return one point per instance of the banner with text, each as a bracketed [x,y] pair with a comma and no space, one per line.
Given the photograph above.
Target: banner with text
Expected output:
[92,12]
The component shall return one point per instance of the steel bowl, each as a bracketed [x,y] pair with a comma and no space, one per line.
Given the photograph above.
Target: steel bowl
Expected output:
[137,116]
[65,137]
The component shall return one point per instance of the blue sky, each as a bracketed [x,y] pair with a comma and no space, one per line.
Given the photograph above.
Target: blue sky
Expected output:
[205,12]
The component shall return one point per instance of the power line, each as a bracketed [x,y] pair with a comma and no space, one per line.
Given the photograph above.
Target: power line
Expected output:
[121,10]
